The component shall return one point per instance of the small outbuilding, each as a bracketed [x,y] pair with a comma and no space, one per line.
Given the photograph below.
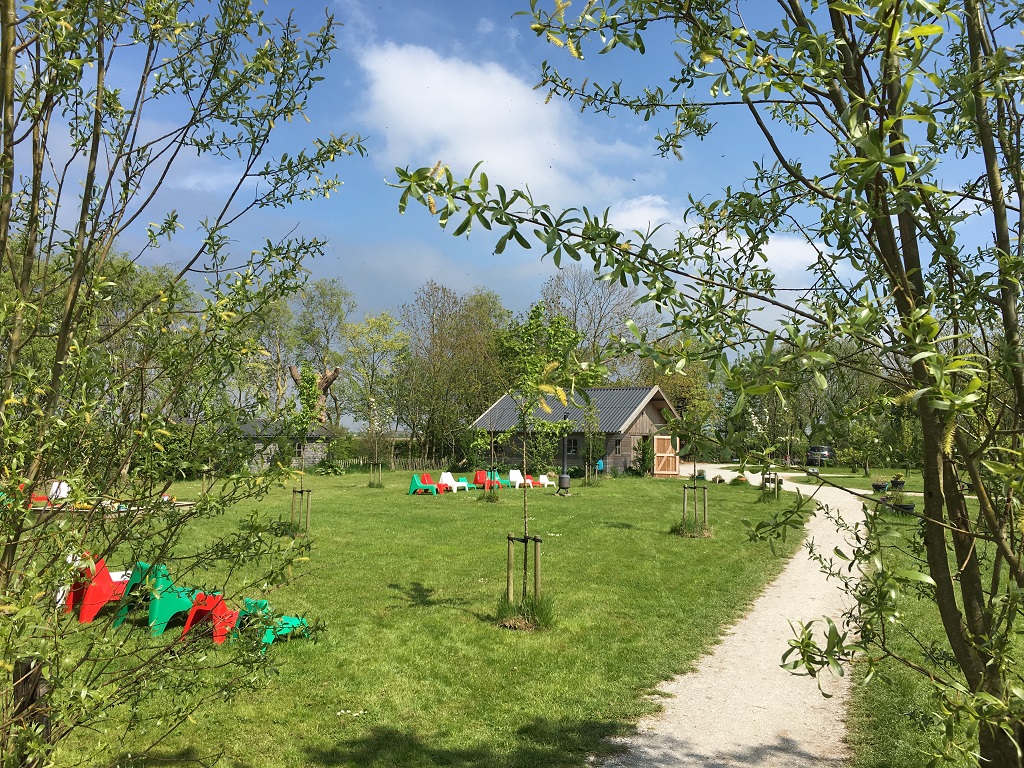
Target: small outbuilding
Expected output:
[625,417]
[271,442]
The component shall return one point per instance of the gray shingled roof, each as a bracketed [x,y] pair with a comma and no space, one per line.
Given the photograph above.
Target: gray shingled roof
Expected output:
[261,429]
[617,407]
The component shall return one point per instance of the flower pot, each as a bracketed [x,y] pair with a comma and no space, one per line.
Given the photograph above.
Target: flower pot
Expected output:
[897,485]
[905,509]
[879,487]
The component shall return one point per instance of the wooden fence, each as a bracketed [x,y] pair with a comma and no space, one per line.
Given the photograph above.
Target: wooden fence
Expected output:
[399,464]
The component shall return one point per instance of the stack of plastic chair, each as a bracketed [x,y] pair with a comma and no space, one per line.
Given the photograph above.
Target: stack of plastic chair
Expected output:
[165,599]
[483,480]
[95,587]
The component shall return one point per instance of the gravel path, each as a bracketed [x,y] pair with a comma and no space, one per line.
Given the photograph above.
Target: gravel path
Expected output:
[739,708]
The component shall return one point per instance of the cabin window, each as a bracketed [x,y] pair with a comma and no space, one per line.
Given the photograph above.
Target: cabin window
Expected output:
[299,447]
[618,447]
[572,446]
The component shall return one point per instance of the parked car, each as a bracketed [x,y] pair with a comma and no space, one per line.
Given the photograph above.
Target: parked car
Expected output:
[821,456]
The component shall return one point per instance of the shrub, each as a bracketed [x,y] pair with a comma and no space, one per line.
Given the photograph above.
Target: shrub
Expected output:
[643,457]
[328,468]
[526,614]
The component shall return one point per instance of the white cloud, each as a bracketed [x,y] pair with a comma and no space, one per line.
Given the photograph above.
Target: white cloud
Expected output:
[485,26]
[426,107]
[643,213]
[790,258]
[399,268]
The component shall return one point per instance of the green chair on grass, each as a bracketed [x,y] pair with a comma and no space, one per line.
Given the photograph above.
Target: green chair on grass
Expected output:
[417,486]
[165,599]
[282,626]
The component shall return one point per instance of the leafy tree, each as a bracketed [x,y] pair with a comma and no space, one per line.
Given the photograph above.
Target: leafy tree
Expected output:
[600,311]
[320,331]
[373,349]
[101,361]
[447,377]
[909,120]
[278,339]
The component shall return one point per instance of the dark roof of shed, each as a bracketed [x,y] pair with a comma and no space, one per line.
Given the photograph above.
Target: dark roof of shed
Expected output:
[263,428]
[617,408]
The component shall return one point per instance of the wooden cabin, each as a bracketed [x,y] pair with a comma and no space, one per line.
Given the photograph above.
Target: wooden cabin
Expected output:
[625,415]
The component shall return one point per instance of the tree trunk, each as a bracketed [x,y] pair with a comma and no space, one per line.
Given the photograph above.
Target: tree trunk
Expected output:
[30,707]
[997,748]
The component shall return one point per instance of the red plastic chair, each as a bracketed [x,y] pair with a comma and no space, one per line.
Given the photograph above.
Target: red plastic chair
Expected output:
[94,588]
[213,607]
[481,480]
[426,479]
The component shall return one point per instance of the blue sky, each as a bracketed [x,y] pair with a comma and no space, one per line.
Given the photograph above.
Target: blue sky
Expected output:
[453,81]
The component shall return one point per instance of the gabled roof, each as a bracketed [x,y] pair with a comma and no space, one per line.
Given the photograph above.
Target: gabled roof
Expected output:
[262,429]
[617,408]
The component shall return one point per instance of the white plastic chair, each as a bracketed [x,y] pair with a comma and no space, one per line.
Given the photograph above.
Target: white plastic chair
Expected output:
[545,481]
[59,489]
[451,482]
[516,478]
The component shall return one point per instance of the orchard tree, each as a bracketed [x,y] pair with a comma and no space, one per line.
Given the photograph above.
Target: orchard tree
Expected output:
[906,183]
[102,105]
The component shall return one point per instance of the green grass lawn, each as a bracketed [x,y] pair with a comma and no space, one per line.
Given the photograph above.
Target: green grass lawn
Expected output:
[413,671]
[839,476]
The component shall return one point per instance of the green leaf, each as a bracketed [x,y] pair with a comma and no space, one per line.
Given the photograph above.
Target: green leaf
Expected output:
[917,576]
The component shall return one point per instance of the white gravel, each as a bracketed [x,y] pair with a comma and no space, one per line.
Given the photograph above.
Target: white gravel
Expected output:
[740,708]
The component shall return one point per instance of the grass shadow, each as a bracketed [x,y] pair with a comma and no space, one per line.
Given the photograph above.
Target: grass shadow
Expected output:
[542,743]
[418,595]
[188,757]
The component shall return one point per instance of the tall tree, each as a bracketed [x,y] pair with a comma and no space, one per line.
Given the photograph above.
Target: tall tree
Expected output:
[600,311]
[374,346]
[448,373]
[912,111]
[99,358]
[320,328]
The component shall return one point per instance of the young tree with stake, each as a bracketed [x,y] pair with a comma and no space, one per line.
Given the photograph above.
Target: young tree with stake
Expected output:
[913,111]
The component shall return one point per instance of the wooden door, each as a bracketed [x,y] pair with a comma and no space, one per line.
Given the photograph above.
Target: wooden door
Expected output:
[666,463]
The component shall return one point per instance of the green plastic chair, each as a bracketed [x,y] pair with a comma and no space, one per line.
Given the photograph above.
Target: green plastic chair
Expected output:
[165,602]
[165,599]
[282,626]
[138,575]
[415,486]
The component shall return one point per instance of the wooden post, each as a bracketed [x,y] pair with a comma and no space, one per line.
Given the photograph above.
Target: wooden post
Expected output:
[696,502]
[686,505]
[536,568]
[305,496]
[705,509]
[509,588]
